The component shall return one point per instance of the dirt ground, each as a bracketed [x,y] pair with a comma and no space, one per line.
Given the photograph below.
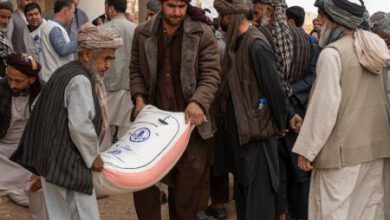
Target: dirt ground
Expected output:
[119,207]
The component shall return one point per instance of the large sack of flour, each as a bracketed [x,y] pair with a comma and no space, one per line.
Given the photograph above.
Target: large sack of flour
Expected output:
[149,150]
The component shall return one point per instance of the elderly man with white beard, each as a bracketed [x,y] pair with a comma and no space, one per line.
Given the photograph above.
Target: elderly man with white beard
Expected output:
[62,138]
[6,9]
[345,135]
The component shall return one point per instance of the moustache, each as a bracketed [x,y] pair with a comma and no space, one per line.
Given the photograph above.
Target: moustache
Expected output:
[19,92]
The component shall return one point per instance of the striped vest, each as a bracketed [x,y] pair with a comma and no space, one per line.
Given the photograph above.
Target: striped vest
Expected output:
[46,148]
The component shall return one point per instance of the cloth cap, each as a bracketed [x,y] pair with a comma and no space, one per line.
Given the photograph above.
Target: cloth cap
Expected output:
[24,63]
[153,5]
[97,37]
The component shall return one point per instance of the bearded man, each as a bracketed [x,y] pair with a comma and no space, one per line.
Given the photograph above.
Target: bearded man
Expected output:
[297,76]
[69,120]
[6,9]
[32,32]
[345,135]
[175,66]
[17,93]
[253,108]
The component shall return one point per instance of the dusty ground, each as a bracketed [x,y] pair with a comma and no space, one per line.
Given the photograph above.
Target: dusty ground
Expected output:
[119,207]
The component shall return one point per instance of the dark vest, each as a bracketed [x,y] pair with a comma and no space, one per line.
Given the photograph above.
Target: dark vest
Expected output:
[46,148]
[252,124]
[5,107]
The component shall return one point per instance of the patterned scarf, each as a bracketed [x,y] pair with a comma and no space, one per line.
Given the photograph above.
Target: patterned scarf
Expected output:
[283,42]
[102,97]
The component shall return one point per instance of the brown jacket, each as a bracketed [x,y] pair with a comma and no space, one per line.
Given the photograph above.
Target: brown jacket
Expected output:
[200,67]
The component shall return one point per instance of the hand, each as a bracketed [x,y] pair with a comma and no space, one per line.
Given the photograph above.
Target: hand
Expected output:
[304,164]
[194,114]
[97,165]
[139,105]
[296,123]
[282,134]
[35,183]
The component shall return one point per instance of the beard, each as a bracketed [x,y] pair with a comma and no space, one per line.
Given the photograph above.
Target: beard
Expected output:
[173,21]
[20,92]
[3,29]
[97,77]
[224,27]
[265,20]
[325,35]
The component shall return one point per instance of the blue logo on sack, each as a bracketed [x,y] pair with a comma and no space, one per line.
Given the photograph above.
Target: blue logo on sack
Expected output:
[140,135]
[115,152]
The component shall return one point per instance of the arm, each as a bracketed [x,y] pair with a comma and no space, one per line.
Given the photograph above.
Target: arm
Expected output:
[209,72]
[264,64]
[137,81]
[81,111]
[59,44]
[323,106]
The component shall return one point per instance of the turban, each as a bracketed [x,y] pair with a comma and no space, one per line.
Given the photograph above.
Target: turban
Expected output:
[380,21]
[5,4]
[92,37]
[24,63]
[343,12]
[153,5]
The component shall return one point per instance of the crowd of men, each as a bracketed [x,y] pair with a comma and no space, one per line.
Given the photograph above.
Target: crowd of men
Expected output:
[301,121]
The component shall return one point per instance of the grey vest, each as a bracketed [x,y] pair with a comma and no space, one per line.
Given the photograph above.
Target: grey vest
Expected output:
[362,130]
[46,148]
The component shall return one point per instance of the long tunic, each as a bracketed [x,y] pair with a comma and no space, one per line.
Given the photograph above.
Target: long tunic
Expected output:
[329,198]
[13,176]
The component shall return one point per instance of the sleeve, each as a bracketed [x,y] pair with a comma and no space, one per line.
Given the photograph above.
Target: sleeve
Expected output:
[264,64]
[81,111]
[59,44]
[323,107]
[209,71]
[137,81]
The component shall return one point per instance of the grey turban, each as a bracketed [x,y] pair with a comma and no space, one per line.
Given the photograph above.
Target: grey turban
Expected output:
[343,12]
[97,37]
[380,21]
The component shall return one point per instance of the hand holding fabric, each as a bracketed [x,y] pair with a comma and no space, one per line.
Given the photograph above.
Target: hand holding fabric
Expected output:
[194,114]
[97,165]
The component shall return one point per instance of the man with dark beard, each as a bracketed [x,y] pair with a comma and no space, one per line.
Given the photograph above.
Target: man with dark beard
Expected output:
[17,93]
[175,66]
[62,138]
[345,135]
[253,108]
[6,9]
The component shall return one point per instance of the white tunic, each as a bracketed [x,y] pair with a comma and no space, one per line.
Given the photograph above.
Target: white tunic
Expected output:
[348,193]
[13,176]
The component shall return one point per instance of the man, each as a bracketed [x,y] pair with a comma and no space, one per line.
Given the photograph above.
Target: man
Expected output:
[175,66]
[380,24]
[19,22]
[32,32]
[79,18]
[345,135]
[117,78]
[17,93]
[297,78]
[6,9]
[152,8]
[57,48]
[62,138]
[253,108]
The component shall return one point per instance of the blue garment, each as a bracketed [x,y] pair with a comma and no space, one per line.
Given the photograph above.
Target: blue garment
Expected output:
[313,39]
[58,42]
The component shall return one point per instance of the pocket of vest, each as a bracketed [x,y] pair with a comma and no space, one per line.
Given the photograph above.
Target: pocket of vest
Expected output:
[262,126]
